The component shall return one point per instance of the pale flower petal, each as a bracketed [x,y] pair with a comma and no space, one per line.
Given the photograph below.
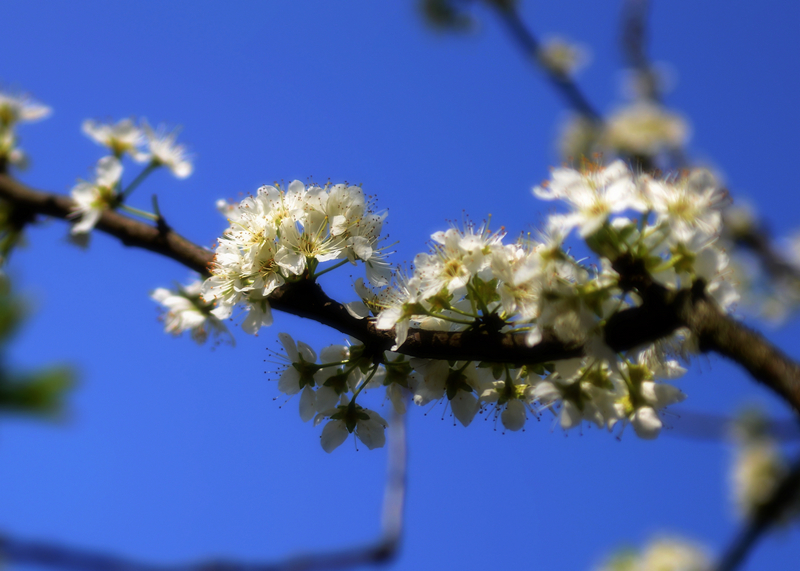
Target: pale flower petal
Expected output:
[333,435]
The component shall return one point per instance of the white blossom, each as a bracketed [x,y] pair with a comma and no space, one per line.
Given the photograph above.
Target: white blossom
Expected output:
[186,311]
[20,109]
[92,198]
[595,192]
[163,150]
[368,426]
[121,137]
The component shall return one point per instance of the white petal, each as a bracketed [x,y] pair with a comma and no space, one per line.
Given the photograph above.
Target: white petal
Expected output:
[570,415]
[307,400]
[289,383]
[513,416]
[333,434]
[465,406]
[646,423]
[326,399]
[371,432]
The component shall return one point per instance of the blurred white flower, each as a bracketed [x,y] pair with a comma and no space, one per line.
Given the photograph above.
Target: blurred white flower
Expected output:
[562,57]
[186,311]
[661,554]
[92,198]
[121,137]
[163,150]
[645,128]
[19,109]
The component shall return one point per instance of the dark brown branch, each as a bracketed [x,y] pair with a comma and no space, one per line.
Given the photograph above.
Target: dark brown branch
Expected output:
[130,232]
[720,333]
[662,313]
[765,517]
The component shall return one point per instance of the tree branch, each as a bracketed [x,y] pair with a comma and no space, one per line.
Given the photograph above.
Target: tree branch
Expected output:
[660,315]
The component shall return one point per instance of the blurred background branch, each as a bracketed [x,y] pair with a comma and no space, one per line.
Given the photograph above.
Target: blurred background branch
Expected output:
[381,551]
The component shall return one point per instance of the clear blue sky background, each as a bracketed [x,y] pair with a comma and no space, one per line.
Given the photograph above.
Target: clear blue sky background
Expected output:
[173,451]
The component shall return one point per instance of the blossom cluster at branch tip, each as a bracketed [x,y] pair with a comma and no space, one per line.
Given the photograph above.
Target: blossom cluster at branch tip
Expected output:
[282,235]
[15,109]
[185,310]
[143,145]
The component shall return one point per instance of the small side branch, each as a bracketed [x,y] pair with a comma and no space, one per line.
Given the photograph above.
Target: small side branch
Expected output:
[529,45]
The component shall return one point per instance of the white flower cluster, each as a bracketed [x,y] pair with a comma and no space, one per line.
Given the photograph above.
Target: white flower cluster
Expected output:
[473,280]
[665,228]
[186,311]
[144,145]
[593,392]
[642,128]
[15,109]
[471,275]
[324,388]
[282,235]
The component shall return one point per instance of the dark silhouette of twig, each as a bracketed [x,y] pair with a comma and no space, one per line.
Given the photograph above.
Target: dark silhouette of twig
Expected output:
[633,38]
[383,550]
[763,519]
[530,46]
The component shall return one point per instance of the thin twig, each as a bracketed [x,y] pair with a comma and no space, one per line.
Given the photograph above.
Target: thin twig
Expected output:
[633,38]
[383,550]
[529,45]
[764,518]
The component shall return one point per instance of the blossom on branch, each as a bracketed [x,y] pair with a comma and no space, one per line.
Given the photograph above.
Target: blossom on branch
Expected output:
[282,235]
[20,109]
[186,311]
[350,418]
[121,137]
[163,150]
[92,198]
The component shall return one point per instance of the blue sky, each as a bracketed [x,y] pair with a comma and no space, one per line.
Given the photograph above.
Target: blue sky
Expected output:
[172,451]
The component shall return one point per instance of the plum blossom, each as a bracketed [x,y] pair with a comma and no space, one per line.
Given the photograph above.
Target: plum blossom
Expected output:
[645,128]
[121,137]
[163,150]
[92,198]
[350,418]
[279,236]
[186,311]
[20,109]
[594,192]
